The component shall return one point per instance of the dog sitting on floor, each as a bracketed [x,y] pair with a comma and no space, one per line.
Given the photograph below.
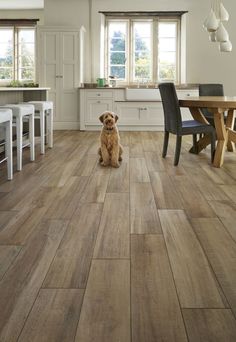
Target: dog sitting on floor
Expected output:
[110,150]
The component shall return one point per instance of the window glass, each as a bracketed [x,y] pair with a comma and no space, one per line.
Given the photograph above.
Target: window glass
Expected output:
[142,51]
[117,37]
[26,57]
[6,54]
[167,51]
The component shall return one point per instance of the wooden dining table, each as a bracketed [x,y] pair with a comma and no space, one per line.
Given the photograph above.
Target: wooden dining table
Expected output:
[220,106]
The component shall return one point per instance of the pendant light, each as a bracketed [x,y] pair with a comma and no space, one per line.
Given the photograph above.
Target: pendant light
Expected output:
[224,15]
[214,25]
[225,46]
[212,22]
[221,34]
[212,37]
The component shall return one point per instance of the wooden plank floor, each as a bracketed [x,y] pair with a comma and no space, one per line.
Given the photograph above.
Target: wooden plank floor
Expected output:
[143,253]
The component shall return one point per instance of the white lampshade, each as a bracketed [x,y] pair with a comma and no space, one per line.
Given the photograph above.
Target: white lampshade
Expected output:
[212,22]
[224,15]
[212,36]
[221,34]
[226,46]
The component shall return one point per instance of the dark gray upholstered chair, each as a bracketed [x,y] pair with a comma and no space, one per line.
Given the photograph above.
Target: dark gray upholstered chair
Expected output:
[175,125]
[212,89]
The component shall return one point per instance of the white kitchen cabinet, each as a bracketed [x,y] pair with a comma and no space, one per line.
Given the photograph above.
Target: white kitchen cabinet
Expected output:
[58,55]
[92,104]
[95,108]
[133,115]
[141,114]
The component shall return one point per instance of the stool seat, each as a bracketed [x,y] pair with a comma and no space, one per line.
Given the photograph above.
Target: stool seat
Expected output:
[20,110]
[42,105]
[5,115]
[6,121]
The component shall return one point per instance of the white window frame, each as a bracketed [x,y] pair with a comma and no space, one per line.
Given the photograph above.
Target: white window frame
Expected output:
[129,48]
[16,65]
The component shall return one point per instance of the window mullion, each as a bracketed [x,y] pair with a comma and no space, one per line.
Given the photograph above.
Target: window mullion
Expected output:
[131,52]
[15,54]
[155,50]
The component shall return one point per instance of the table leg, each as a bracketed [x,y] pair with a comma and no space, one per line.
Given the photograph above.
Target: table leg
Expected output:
[198,116]
[222,138]
[206,139]
[230,124]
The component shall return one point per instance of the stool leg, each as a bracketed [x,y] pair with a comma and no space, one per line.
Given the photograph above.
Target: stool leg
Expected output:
[9,150]
[42,130]
[31,136]
[19,128]
[50,128]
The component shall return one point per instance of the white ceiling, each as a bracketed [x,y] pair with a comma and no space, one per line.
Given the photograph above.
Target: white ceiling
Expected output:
[21,4]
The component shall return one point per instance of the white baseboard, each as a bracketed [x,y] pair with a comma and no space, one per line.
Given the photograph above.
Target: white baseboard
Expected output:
[76,126]
[129,128]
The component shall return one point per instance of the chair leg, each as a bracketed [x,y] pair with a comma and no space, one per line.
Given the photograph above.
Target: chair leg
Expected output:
[50,128]
[31,136]
[19,142]
[213,146]
[177,149]
[165,144]
[42,130]
[9,150]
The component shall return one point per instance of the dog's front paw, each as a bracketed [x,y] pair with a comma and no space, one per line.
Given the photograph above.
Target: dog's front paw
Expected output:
[104,163]
[120,158]
[115,165]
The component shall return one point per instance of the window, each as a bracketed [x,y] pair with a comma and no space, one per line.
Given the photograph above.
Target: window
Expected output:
[142,49]
[17,54]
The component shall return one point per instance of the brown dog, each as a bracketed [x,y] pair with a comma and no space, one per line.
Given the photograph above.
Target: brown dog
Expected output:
[110,150]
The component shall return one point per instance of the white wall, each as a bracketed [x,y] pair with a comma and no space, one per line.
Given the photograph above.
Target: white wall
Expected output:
[23,14]
[204,62]
[74,13]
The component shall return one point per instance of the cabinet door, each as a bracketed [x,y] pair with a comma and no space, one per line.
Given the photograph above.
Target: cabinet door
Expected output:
[50,67]
[152,114]
[69,75]
[95,108]
[59,65]
[129,113]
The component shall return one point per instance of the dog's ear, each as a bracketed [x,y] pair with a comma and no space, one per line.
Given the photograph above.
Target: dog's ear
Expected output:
[101,118]
[116,117]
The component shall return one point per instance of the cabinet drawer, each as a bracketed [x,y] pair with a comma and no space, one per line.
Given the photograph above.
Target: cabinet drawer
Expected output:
[183,93]
[100,94]
[95,108]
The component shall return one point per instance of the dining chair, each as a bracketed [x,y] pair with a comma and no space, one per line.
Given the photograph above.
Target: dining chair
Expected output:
[175,125]
[211,89]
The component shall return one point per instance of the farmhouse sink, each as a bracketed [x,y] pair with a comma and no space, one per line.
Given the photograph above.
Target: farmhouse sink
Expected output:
[142,94]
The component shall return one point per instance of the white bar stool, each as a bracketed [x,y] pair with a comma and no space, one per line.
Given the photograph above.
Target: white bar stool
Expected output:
[21,112]
[44,109]
[6,121]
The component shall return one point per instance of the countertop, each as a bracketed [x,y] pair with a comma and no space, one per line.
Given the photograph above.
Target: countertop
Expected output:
[22,88]
[180,86]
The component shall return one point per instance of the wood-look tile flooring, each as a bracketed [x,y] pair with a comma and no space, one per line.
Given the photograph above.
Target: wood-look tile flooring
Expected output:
[143,253]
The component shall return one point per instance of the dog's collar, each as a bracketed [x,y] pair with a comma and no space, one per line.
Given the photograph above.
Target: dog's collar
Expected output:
[108,129]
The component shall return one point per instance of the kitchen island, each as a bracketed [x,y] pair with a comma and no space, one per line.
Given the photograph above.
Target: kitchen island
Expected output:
[17,95]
